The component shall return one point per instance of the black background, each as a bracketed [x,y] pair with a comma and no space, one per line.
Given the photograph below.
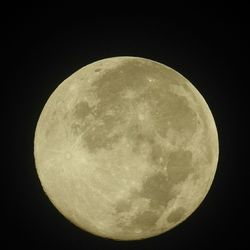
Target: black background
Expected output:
[43,46]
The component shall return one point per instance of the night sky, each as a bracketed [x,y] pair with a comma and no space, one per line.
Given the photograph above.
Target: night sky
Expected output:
[42,47]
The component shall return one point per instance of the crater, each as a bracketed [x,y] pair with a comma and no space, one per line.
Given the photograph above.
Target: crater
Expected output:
[176,215]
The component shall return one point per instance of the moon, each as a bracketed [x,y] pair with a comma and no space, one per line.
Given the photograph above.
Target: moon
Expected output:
[126,148]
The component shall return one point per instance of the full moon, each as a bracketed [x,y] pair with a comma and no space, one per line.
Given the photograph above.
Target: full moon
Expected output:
[126,148]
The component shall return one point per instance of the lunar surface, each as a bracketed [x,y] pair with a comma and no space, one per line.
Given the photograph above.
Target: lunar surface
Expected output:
[126,148]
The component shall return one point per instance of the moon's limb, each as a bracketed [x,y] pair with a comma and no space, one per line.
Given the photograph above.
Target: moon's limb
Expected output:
[126,148]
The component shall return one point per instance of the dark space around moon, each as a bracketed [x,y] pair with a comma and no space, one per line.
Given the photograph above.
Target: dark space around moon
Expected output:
[42,47]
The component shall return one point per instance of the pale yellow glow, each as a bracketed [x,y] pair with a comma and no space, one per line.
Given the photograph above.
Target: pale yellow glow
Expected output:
[126,148]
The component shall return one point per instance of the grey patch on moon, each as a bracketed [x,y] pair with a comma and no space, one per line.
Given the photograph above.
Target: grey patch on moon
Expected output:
[123,206]
[99,136]
[159,190]
[179,166]
[142,143]
[110,94]
[143,221]
[174,113]
[81,110]
[159,187]
[159,156]
[176,215]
